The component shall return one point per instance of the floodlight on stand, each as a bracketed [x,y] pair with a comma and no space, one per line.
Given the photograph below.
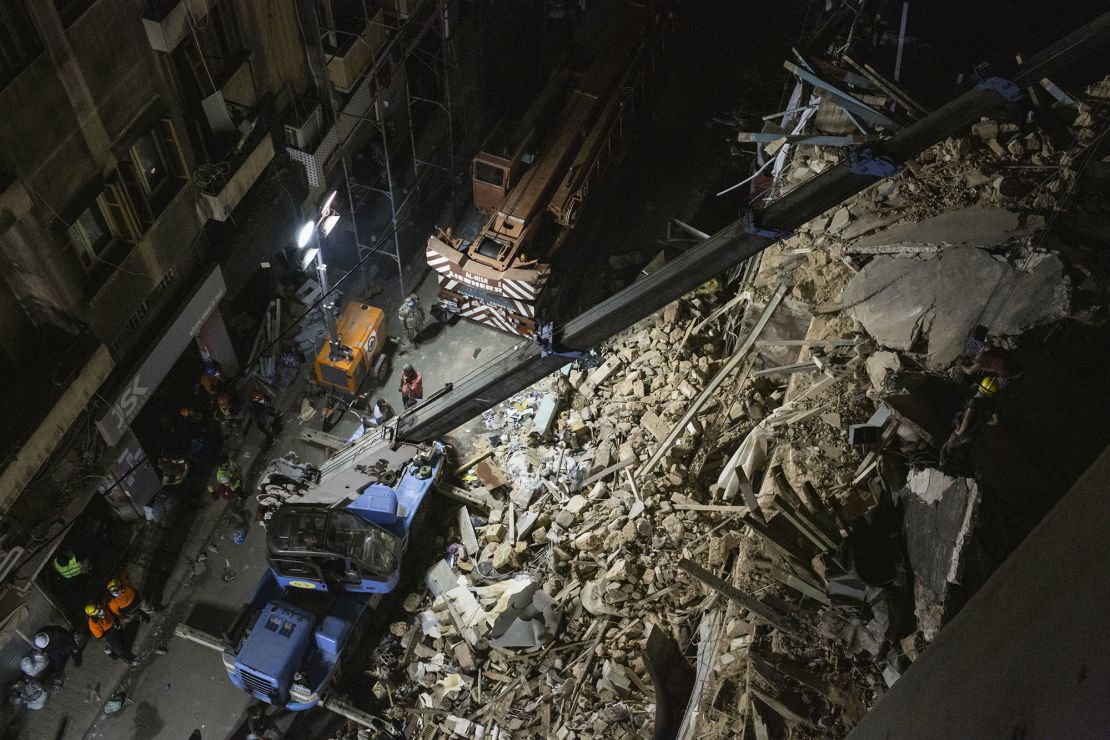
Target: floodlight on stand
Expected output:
[328,224]
[304,236]
[308,257]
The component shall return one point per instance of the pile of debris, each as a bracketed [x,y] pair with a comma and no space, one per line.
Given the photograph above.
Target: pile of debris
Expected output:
[737,517]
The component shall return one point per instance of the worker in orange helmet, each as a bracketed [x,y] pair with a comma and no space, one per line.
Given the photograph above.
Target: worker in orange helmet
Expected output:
[125,602]
[104,626]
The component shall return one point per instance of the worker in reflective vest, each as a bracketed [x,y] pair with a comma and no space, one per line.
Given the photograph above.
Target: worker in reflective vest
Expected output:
[125,602]
[229,479]
[67,565]
[103,626]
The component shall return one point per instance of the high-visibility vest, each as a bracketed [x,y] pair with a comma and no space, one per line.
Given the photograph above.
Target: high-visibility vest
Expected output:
[229,476]
[120,605]
[72,569]
[98,627]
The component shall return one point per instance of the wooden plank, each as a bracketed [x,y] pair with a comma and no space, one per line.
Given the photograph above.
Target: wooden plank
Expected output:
[892,89]
[748,493]
[472,462]
[791,515]
[806,589]
[491,475]
[807,343]
[782,710]
[710,389]
[620,465]
[715,508]
[752,604]
[786,549]
[802,676]
[467,533]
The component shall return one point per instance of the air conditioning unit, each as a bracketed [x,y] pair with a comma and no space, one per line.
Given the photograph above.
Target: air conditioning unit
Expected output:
[303,134]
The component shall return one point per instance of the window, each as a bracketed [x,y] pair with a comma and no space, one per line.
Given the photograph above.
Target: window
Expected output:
[90,235]
[156,159]
[108,220]
[341,23]
[149,162]
[210,52]
[20,42]
[488,173]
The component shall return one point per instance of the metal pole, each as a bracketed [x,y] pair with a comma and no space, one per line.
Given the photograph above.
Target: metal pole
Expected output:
[412,127]
[444,41]
[354,227]
[901,42]
[392,203]
[329,301]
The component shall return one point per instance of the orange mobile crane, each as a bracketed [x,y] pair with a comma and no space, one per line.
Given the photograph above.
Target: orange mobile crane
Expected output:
[498,277]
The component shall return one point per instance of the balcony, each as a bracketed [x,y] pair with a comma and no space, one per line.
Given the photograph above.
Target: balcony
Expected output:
[167,23]
[220,195]
[355,52]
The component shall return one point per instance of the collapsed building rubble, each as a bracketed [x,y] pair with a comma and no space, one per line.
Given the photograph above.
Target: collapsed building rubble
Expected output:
[748,479]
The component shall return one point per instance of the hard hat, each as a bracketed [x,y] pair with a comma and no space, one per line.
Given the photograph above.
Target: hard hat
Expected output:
[412,297]
[42,640]
[223,401]
[114,585]
[407,368]
[92,610]
[210,370]
[988,386]
[257,396]
[238,536]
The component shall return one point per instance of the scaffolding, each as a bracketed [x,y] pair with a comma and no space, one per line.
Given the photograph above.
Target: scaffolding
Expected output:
[430,147]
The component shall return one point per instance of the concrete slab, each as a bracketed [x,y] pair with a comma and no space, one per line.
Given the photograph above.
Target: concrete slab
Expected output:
[1027,655]
[981,226]
[935,301]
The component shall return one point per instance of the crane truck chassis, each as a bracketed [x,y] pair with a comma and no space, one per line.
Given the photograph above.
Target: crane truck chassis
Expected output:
[499,277]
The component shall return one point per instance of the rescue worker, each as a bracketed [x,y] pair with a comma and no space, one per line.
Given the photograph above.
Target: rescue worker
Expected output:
[60,645]
[67,565]
[174,467]
[104,626]
[979,410]
[229,479]
[997,362]
[224,416]
[34,664]
[211,380]
[266,417]
[382,413]
[125,602]
[412,317]
[412,386]
[190,433]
